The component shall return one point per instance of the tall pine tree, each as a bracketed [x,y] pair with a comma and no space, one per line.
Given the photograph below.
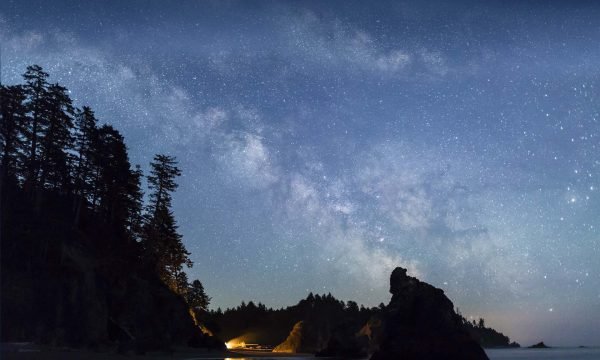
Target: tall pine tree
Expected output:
[36,89]
[162,243]
[196,296]
[57,139]
[116,187]
[86,126]
[134,203]
[12,122]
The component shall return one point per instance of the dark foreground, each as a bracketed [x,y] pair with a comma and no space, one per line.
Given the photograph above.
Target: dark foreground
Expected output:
[27,352]
[23,351]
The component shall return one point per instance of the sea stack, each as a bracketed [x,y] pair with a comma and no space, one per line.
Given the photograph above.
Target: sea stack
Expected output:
[293,342]
[539,345]
[420,323]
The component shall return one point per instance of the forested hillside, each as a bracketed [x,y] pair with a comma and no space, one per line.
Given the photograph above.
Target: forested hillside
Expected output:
[85,261]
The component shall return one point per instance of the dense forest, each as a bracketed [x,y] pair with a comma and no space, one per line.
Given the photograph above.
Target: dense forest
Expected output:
[255,323]
[486,336]
[79,244]
[322,315]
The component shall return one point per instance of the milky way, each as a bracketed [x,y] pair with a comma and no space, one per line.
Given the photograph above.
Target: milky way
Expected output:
[323,144]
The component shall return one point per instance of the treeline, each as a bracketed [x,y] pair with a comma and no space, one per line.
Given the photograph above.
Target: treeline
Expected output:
[49,145]
[487,337]
[321,314]
[58,161]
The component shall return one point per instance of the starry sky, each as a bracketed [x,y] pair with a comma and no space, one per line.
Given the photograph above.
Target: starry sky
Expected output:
[324,143]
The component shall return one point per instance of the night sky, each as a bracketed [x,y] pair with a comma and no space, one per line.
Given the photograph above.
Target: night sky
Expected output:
[324,143]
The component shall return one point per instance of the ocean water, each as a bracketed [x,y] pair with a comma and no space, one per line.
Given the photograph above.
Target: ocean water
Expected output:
[550,354]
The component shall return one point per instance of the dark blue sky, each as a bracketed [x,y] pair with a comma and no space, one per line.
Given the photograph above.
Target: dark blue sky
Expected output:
[325,143]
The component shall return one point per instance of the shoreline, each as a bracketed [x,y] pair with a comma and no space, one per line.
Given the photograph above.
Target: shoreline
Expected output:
[27,351]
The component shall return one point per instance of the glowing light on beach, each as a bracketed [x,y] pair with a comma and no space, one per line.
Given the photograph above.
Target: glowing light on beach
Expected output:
[235,344]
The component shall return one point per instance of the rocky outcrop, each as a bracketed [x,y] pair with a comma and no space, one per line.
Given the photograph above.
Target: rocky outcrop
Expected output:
[77,296]
[420,323]
[539,345]
[351,340]
[346,343]
[152,317]
[373,329]
[293,343]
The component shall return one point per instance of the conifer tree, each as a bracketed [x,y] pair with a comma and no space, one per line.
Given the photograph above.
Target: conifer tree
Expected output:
[12,121]
[134,203]
[196,296]
[56,139]
[86,131]
[36,89]
[70,180]
[162,242]
[162,181]
[116,187]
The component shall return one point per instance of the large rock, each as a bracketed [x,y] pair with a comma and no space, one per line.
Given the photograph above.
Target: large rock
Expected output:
[539,345]
[420,323]
[96,303]
[293,343]
[314,335]
[373,330]
[346,343]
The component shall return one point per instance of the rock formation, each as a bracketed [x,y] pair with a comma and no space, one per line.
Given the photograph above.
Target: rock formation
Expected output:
[420,323]
[85,300]
[539,345]
[293,342]
[373,329]
[346,343]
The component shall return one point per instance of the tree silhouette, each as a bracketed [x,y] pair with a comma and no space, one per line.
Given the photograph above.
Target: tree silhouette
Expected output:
[196,296]
[161,240]
[134,198]
[162,181]
[85,134]
[36,89]
[70,203]
[56,139]
[12,123]
[114,172]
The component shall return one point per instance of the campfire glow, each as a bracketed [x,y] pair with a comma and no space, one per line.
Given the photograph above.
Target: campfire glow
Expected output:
[235,344]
